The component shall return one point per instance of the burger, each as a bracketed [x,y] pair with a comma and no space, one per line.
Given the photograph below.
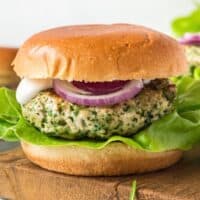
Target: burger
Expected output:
[191,42]
[188,30]
[98,100]
[8,77]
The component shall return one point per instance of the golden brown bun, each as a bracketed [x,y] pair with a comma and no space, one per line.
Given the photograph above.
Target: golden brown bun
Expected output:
[7,76]
[115,159]
[100,53]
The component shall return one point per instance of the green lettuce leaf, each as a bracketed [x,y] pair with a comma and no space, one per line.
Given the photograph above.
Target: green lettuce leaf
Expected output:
[171,132]
[180,129]
[10,112]
[174,131]
[28,133]
[189,23]
[177,130]
[195,72]
[188,95]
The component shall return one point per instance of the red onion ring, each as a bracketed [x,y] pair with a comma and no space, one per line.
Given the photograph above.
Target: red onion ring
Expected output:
[190,39]
[100,87]
[68,92]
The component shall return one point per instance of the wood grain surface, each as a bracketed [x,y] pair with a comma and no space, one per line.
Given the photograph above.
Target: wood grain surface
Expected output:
[22,180]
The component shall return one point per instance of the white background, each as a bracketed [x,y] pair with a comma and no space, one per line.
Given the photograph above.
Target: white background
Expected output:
[20,19]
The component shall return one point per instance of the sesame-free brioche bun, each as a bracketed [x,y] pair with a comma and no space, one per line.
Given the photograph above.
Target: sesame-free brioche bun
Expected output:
[7,76]
[113,160]
[97,53]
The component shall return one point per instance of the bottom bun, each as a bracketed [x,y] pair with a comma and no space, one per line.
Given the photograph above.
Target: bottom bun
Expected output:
[113,160]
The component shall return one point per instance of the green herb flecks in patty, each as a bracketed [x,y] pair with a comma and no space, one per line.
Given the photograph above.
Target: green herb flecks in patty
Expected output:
[57,117]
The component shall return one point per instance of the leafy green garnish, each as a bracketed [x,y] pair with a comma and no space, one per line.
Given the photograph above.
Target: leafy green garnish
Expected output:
[9,115]
[133,190]
[189,23]
[196,72]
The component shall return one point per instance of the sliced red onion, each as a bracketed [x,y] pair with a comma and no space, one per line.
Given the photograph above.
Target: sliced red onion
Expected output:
[131,89]
[100,87]
[190,39]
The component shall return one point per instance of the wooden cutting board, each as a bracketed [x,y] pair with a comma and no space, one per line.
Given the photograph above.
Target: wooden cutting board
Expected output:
[22,180]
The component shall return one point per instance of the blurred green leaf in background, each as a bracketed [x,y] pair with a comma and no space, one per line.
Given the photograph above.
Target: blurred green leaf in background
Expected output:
[187,24]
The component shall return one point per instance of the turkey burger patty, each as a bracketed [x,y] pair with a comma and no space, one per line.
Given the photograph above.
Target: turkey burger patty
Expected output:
[55,116]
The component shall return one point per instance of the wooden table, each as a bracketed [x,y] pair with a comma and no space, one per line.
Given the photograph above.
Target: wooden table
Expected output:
[21,180]
[7,145]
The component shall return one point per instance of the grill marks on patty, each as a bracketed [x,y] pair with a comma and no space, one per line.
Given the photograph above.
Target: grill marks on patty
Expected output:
[56,117]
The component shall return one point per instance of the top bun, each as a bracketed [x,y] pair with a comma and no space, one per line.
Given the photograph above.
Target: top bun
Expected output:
[94,53]
[8,77]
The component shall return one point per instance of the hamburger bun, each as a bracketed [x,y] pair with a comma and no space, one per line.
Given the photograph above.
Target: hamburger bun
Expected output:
[7,76]
[113,160]
[97,53]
